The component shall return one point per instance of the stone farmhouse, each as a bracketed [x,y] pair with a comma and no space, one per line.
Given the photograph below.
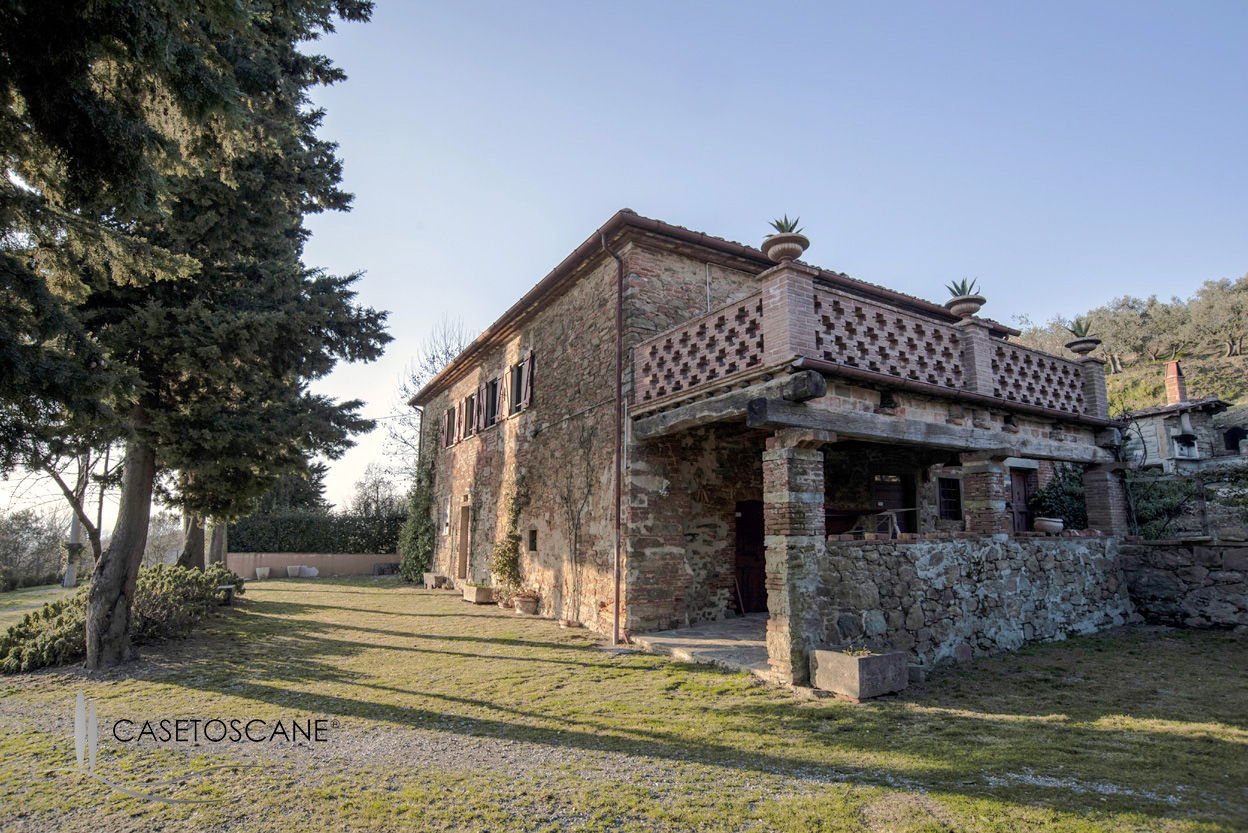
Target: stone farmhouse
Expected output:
[852,461]
[1184,435]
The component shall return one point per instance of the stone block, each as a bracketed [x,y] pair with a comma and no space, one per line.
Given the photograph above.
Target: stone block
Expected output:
[859,677]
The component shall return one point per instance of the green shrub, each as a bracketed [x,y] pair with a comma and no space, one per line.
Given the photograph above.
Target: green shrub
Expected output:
[1063,498]
[10,579]
[54,635]
[220,576]
[505,557]
[420,530]
[316,533]
[168,601]
[1154,507]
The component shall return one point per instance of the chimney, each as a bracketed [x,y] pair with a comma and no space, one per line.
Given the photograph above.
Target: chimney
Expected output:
[1176,385]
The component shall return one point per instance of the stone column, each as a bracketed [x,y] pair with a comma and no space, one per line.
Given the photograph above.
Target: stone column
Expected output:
[1105,495]
[1095,398]
[788,313]
[985,491]
[977,348]
[794,527]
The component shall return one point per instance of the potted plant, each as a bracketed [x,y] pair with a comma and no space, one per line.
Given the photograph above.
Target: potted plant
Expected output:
[526,602]
[1084,342]
[1061,503]
[965,301]
[478,593]
[787,243]
[859,673]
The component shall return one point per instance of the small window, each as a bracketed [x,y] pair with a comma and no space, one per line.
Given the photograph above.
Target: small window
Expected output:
[950,495]
[448,428]
[532,540]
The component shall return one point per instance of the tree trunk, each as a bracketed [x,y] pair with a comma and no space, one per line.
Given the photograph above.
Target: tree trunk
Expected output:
[192,543]
[112,586]
[217,546]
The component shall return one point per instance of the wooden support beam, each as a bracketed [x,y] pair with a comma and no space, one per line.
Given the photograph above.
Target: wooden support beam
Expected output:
[777,413]
[796,387]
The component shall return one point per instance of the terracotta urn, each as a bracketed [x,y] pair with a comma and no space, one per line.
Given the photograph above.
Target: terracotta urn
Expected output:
[526,605]
[1050,525]
[781,248]
[965,306]
[1083,346]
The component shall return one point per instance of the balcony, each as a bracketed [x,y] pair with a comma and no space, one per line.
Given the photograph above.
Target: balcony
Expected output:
[800,319]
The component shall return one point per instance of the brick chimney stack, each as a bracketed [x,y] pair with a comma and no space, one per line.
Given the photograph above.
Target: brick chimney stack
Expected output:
[1176,385]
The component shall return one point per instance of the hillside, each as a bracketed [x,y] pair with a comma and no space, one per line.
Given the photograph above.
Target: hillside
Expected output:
[1142,384]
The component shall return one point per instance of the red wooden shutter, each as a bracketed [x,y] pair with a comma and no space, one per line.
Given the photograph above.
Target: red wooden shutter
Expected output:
[526,380]
[446,428]
[459,421]
[481,407]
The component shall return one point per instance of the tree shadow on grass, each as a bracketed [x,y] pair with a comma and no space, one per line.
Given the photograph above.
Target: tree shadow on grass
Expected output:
[951,748]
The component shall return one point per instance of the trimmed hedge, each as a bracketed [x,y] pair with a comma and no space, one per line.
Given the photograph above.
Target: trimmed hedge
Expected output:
[304,532]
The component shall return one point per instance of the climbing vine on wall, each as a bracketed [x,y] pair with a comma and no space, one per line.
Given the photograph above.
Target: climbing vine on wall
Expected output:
[419,531]
[505,558]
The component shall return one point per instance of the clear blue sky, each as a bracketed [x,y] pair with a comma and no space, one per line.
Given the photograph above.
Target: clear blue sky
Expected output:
[1062,153]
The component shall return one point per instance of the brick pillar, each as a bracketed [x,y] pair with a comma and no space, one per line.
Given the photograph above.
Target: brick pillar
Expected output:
[1095,399]
[977,349]
[1106,498]
[788,313]
[985,490]
[793,525]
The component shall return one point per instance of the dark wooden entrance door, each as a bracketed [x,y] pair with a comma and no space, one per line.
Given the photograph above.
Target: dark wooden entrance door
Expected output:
[894,492]
[1020,495]
[751,558]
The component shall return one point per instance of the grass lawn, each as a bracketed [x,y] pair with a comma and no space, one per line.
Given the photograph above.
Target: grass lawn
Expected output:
[444,716]
[17,603]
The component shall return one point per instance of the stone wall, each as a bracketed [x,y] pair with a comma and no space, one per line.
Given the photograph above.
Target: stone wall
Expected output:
[1197,584]
[682,497]
[954,599]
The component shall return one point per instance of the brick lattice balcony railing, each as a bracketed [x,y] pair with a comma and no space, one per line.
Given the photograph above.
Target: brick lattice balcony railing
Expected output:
[816,320]
[721,343]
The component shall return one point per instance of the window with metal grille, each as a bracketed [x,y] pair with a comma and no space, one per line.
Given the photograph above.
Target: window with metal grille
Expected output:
[949,493]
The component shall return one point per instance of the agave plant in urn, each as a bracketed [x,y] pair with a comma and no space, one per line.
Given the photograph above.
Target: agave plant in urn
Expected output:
[1084,342]
[787,243]
[965,301]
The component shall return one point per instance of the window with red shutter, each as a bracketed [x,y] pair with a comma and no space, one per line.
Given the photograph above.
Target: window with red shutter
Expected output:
[526,396]
[481,400]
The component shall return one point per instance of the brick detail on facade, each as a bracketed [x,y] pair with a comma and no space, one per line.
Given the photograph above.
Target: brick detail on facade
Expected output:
[1095,397]
[985,491]
[872,336]
[793,525]
[788,313]
[1107,501]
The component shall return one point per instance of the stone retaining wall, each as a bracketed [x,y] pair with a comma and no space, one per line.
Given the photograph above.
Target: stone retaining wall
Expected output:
[1194,583]
[949,600]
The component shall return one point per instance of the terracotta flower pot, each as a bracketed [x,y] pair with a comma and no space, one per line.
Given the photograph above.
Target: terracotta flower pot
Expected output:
[292,572]
[781,248]
[526,605]
[1049,525]
[965,306]
[262,572]
[478,595]
[1083,346]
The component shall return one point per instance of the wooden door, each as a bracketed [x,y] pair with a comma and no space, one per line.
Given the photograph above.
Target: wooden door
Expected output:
[751,558]
[465,523]
[894,492]
[1020,495]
